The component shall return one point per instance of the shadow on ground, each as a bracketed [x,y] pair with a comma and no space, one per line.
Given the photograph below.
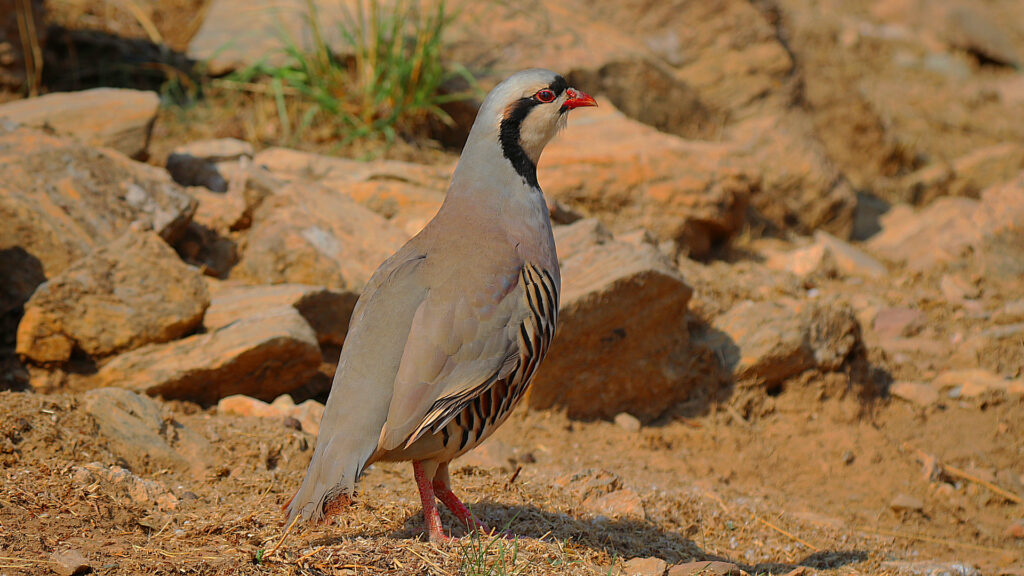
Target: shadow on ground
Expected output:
[619,538]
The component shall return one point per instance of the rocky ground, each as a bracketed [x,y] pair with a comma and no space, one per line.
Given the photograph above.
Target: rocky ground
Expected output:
[792,326]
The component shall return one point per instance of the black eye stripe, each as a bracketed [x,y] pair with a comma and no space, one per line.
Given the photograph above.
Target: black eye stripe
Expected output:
[558,85]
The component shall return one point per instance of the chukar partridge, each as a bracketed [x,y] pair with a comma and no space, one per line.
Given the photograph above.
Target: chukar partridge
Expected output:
[449,331]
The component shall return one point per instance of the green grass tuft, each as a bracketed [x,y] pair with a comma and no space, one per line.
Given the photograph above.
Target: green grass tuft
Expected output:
[490,556]
[388,82]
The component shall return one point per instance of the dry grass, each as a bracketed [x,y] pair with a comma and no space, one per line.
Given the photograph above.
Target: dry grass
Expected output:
[228,515]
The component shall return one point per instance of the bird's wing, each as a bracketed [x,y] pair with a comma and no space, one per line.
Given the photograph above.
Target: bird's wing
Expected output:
[463,339]
[362,390]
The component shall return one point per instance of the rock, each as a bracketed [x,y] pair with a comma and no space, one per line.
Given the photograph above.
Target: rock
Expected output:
[130,293]
[216,150]
[562,215]
[579,236]
[624,504]
[799,187]
[71,562]
[627,422]
[850,260]
[622,337]
[930,568]
[972,383]
[242,405]
[761,342]
[491,455]
[629,175]
[308,234]
[1010,313]
[967,175]
[949,228]
[915,392]
[308,414]
[408,195]
[638,237]
[980,30]
[906,503]
[235,35]
[117,118]
[729,54]
[956,290]
[644,567]
[553,36]
[588,483]
[295,166]
[666,102]
[137,432]
[765,343]
[1011,481]
[59,200]
[407,206]
[803,262]
[705,568]
[261,356]
[827,255]
[326,311]
[892,323]
[138,491]
[1016,530]
[219,212]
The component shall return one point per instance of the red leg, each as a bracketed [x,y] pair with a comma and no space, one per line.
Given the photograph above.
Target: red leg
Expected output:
[430,515]
[442,487]
[458,508]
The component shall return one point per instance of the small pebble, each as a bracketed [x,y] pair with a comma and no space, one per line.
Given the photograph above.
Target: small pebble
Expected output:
[69,562]
[627,422]
[906,503]
[1016,530]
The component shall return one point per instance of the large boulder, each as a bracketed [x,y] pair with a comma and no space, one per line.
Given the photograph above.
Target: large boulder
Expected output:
[622,337]
[406,194]
[60,199]
[133,292]
[327,311]
[240,33]
[118,118]
[727,51]
[800,187]
[950,228]
[762,344]
[628,175]
[137,432]
[262,356]
[309,234]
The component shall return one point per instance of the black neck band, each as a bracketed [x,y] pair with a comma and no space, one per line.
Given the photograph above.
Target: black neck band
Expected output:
[511,125]
[509,138]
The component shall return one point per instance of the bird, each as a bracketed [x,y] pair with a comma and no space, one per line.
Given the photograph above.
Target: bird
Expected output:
[449,331]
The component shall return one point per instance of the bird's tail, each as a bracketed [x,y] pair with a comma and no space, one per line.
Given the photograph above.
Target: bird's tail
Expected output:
[330,481]
[346,443]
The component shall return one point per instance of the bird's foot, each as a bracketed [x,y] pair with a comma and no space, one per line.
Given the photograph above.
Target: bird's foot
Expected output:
[452,502]
[438,537]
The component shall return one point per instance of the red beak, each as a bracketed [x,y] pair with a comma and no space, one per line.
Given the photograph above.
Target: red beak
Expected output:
[577,99]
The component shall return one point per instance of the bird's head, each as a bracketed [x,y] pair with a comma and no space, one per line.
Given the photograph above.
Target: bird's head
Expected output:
[523,114]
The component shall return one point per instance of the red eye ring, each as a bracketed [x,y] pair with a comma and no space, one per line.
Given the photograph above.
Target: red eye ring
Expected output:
[545,96]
